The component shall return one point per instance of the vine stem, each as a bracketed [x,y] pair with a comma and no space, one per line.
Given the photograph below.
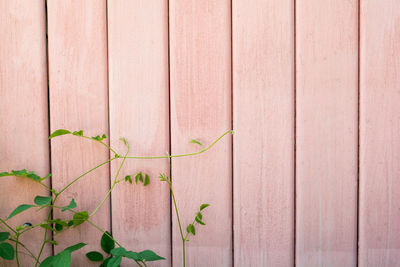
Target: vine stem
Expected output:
[16,250]
[82,175]
[45,230]
[22,245]
[183,155]
[113,185]
[8,226]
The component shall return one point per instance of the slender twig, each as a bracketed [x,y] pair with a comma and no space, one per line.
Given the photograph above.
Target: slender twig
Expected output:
[79,177]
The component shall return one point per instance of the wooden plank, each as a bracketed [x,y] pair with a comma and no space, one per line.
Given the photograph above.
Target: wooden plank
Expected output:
[263,95]
[139,100]
[23,113]
[379,133]
[78,101]
[200,63]
[326,160]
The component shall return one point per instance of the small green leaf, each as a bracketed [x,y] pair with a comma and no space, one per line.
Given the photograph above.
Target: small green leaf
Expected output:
[107,243]
[6,251]
[128,178]
[53,242]
[190,229]
[19,209]
[59,132]
[78,133]
[118,251]
[114,262]
[4,236]
[139,176]
[203,206]
[194,141]
[58,227]
[149,255]
[75,247]
[199,221]
[146,179]
[41,201]
[133,256]
[47,226]
[124,140]
[80,217]
[162,177]
[5,174]
[199,215]
[99,138]
[94,256]
[71,205]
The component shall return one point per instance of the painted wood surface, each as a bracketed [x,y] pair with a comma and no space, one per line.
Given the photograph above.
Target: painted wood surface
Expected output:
[263,99]
[23,113]
[139,100]
[326,132]
[379,133]
[78,101]
[200,78]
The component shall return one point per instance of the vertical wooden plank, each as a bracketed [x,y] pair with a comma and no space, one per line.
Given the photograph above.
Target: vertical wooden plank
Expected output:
[263,93]
[379,133]
[200,63]
[23,112]
[78,101]
[326,161]
[139,99]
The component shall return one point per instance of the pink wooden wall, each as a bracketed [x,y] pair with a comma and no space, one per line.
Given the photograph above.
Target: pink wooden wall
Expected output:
[311,176]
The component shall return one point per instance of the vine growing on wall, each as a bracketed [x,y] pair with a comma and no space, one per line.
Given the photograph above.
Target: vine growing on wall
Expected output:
[112,252]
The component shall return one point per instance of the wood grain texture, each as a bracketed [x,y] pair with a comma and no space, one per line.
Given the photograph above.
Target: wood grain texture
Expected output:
[139,99]
[200,64]
[379,133]
[326,161]
[23,113]
[263,115]
[78,101]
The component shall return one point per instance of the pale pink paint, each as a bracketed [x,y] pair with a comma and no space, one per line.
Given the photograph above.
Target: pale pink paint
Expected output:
[23,113]
[263,112]
[78,101]
[138,73]
[326,132]
[380,133]
[201,108]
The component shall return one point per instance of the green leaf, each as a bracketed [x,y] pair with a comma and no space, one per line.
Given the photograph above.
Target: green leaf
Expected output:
[118,251]
[78,133]
[19,209]
[94,256]
[4,236]
[203,206]
[105,262]
[6,251]
[139,176]
[47,226]
[71,205]
[133,256]
[107,243]
[146,179]
[99,138]
[194,141]
[199,221]
[114,262]
[47,262]
[41,201]
[149,255]
[5,174]
[190,229]
[80,217]
[199,215]
[128,178]
[58,227]
[162,177]
[75,247]
[124,140]
[59,132]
